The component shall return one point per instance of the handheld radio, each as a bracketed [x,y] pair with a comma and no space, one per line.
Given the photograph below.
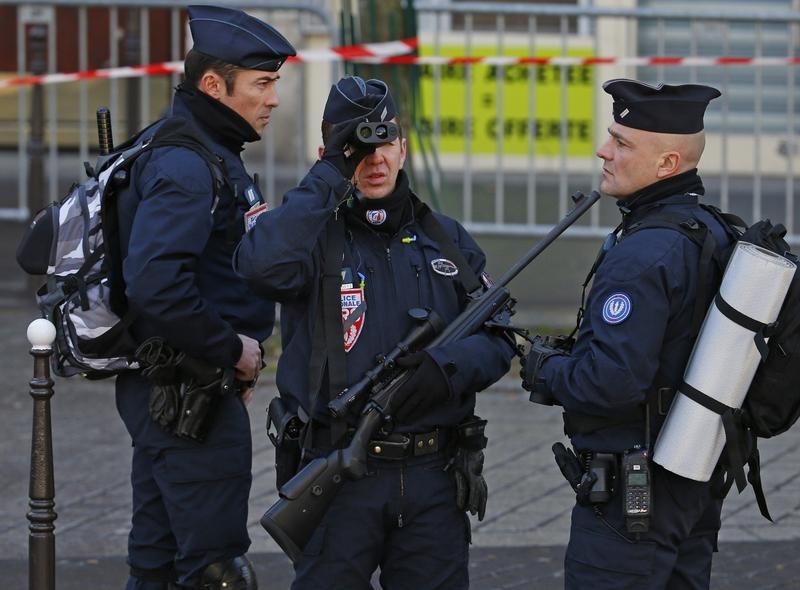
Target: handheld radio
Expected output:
[636,486]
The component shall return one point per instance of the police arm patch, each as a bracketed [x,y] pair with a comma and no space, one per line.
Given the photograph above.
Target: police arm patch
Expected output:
[617,308]
[354,307]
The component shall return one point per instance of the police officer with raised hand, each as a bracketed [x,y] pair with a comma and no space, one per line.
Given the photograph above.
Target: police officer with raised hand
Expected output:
[178,233]
[636,525]
[349,252]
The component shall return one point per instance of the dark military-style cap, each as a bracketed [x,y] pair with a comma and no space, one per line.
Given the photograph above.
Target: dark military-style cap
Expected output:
[662,108]
[237,38]
[353,98]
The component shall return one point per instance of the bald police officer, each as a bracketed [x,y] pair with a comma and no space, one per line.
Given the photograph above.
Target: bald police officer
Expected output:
[349,252]
[631,350]
[189,523]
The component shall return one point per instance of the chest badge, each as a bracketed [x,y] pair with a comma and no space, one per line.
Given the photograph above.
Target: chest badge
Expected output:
[354,308]
[376,216]
[444,267]
[617,308]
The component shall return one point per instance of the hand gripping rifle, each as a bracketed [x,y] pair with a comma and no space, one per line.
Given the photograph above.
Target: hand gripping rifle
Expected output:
[305,498]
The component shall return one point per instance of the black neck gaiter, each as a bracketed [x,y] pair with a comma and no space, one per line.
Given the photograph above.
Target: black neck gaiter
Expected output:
[223,123]
[387,214]
[687,182]
[687,185]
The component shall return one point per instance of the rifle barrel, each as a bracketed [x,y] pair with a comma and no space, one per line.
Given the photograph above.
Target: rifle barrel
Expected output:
[582,205]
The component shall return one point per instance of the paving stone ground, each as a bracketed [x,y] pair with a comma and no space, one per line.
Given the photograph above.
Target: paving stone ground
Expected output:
[519,544]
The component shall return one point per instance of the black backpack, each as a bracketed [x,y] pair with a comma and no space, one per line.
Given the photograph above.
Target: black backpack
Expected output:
[772,402]
[75,243]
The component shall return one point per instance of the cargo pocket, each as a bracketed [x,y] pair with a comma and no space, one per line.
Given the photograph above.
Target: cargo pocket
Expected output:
[205,491]
[610,553]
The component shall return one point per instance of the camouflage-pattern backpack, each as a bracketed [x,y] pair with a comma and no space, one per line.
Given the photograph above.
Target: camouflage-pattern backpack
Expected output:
[74,243]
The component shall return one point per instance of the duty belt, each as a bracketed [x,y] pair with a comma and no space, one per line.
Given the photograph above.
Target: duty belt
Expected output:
[398,446]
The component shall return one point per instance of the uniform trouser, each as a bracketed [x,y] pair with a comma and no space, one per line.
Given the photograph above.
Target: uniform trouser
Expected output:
[674,555]
[402,517]
[189,499]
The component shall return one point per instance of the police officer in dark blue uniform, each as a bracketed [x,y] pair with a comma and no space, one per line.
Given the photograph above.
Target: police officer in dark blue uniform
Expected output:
[178,234]
[354,236]
[632,347]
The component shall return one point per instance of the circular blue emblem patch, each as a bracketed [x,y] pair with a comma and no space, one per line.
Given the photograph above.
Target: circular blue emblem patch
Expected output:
[376,216]
[616,308]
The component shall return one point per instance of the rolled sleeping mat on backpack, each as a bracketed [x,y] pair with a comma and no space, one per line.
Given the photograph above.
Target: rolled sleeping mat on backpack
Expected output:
[724,360]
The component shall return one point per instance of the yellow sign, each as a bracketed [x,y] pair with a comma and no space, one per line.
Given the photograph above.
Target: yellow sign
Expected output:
[519,129]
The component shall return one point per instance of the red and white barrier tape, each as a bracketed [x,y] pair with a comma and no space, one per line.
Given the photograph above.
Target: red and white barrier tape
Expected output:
[397,52]
[499,60]
[365,51]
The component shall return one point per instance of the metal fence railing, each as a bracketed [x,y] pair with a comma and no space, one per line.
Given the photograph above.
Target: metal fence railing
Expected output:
[509,104]
[47,131]
[529,76]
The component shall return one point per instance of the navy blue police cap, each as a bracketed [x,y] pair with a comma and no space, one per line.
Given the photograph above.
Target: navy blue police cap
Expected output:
[662,108]
[237,38]
[353,98]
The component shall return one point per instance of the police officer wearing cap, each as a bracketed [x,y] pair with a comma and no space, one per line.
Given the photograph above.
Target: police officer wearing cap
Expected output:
[349,252]
[636,525]
[178,233]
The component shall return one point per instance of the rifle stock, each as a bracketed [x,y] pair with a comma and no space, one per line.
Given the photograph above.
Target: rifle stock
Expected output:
[314,488]
[305,498]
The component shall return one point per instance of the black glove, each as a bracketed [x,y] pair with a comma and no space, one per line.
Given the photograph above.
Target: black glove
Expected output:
[531,363]
[427,387]
[467,465]
[343,150]
[164,404]
[159,364]
[471,488]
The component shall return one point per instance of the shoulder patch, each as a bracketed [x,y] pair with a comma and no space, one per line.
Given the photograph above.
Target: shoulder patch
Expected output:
[617,308]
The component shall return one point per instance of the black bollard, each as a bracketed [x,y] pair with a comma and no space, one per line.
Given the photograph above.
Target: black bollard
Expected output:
[42,516]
